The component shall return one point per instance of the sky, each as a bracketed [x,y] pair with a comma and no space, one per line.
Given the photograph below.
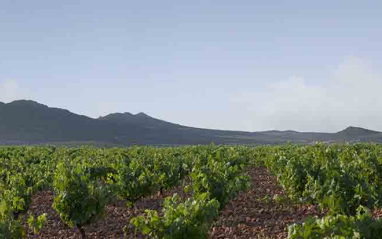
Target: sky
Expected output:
[239,65]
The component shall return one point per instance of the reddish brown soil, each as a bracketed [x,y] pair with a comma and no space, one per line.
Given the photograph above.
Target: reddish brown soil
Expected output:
[377,213]
[248,216]
[111,226]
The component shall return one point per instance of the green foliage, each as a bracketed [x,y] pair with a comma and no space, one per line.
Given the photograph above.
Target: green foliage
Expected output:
[80,199]
[221,174]
[36,224]
[337,177]
[9,227]
[217,175]
[17,193]
[148,170]
[339,226]
[190,219]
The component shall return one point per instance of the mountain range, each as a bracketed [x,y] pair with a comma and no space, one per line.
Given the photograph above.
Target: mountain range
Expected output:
[29,122]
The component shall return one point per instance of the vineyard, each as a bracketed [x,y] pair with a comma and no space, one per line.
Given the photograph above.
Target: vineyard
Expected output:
[289,191]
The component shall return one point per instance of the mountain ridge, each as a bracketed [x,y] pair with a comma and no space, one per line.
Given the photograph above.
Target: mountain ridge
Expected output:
[30,122]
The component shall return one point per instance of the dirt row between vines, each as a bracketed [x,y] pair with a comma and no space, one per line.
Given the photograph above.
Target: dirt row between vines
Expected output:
[253,214]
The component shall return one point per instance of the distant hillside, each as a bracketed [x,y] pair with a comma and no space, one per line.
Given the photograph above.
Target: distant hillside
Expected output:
[29,122]
[140,119]
[355,132]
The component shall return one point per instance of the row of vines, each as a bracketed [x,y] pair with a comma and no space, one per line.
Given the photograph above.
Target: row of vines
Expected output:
[85,180]
[345,181]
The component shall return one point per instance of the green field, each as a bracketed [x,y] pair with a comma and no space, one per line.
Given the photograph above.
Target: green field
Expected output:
[317,191]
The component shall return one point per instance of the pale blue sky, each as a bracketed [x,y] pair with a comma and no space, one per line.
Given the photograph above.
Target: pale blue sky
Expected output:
[244,65]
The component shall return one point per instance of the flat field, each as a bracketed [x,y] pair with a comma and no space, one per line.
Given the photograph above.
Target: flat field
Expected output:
[211,191]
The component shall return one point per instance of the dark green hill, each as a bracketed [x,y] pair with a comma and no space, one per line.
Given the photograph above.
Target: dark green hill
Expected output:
[29,122]
[352,132]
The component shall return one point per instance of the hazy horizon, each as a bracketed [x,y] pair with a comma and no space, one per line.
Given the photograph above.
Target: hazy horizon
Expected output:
[250,66]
